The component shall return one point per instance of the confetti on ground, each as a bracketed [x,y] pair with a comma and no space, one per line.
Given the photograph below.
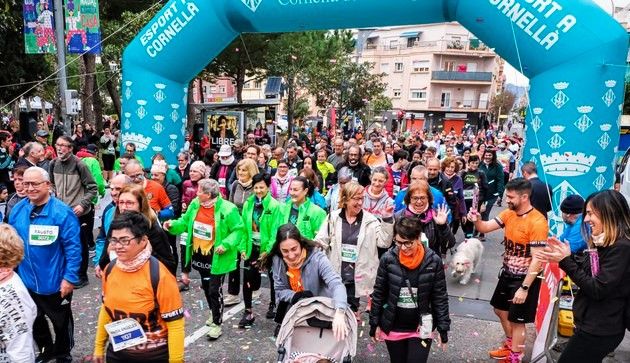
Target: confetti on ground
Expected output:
[186,314]
[477,281]
[370,347]
[361,335]
[245,347]
[461,299]
[555,298]
[475,334]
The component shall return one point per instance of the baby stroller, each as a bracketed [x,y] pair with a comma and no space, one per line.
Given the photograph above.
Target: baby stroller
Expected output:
[306,334]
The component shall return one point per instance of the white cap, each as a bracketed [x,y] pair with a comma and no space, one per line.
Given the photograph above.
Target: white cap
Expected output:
[225,150]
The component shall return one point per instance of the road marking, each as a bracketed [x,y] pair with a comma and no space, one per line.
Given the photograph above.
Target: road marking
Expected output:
[204,329]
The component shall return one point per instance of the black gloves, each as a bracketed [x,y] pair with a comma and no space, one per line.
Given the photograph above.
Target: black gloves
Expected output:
[301,295]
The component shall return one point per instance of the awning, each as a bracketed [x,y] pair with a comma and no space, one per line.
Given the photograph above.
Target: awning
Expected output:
[415,34]
[372,36]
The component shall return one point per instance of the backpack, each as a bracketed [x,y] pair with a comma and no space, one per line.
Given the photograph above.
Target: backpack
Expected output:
[154,270]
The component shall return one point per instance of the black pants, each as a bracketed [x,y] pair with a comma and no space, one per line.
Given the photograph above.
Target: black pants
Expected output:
[86,222]
[251,277]
[587,348]
[408,350]
[211,285]
[59,312]
[489,204]
[172,241]
[455,223]
[234,279]
[353,301]
[272,290]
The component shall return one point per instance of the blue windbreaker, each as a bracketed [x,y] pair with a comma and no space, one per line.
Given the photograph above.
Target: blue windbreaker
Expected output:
[52,245]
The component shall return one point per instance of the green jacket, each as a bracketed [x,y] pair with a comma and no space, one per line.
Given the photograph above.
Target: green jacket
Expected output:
[117,163]
[172,177]
[310,217]
[95,169]
[228,230]
[270,220]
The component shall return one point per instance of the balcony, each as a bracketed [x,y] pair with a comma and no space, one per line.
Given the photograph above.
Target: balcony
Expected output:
[458,104]
[485,77]
[448,47]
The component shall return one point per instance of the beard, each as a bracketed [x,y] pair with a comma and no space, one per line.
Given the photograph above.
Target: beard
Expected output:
[512,206]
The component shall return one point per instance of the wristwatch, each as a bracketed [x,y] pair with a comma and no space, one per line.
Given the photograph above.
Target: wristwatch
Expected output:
[524,287]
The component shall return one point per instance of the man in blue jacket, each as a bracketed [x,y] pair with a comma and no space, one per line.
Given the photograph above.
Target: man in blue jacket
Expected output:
[52,256]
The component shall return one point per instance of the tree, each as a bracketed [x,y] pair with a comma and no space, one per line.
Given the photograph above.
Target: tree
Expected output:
[244,57]
[301,108]
[502,103]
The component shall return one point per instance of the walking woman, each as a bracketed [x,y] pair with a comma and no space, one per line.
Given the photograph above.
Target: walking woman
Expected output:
[261,218]
[600,308]
[281,182]
[409,300]
[495,179]
[351,238]
[436,233]
[377,200]
[301,271]
[133,199]
[139,287]
[300,211]
[450,169]
[214,231]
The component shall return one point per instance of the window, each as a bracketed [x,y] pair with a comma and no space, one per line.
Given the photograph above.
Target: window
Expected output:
[411,42]
[221,89]
[247,85]
[393,44]
[385,67]
[420,66]
[397,92]
[449,66]
[213,89]
[205,90]
[398,67]
[418,94]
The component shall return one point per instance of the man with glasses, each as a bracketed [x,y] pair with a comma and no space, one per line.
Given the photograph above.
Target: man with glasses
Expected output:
[360,172]
[115,186]
[156,194]
[183,166]
[50,269]
[130,149]
[74,185]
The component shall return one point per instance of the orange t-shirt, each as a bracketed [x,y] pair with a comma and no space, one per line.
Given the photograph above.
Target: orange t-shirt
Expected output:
[203,230]
[132,297]
[158,199]
[521,232]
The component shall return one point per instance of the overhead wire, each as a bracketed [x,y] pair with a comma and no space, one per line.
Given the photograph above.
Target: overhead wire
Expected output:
[55,79]
[80,55]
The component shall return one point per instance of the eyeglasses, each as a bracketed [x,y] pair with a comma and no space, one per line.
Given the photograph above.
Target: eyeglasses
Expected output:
[406,244]
[62,145]
[137,177]
[33,184]
[422,198]
[124,242]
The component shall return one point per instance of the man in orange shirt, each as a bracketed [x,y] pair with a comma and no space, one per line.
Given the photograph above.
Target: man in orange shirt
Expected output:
[158,199]
[515,298]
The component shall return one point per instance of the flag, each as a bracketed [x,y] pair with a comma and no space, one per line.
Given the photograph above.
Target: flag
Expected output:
[39,27]
[83,29]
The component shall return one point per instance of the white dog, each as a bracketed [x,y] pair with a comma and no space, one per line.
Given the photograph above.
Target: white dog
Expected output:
[466,259]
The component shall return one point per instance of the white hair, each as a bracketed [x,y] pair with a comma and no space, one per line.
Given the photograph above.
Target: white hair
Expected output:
[41,172]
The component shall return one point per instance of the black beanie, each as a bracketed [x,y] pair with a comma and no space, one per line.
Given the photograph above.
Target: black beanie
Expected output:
[573,204]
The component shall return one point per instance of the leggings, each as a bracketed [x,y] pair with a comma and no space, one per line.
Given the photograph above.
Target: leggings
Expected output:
[587,348]
[408,350]
[234,278]
[251,276]
[211,285]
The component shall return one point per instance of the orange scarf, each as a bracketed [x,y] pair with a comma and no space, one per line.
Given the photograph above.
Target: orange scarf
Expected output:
[412,262]
[295,273]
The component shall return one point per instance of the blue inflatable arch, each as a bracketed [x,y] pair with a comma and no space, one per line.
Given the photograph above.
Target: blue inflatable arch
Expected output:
[572,51]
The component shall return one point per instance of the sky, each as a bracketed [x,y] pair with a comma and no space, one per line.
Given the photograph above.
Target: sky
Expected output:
[515,77]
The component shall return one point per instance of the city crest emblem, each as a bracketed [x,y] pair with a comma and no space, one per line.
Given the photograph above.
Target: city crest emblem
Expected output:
[252,4]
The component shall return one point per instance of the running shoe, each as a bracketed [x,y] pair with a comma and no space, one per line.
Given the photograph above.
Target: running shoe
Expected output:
[247,320]
[209,322]
[271,311]
[229,300]
[513,357]
[214,332]
[502,352]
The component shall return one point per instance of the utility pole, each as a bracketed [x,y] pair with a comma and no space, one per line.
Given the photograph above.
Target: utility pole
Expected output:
[61,62]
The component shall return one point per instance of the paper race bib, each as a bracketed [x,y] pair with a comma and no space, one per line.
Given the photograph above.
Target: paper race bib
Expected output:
[125,333]
[39,235]
[183,238]
[202,231]
[469,193]
[222,182]
[256,238]
[349,253]
[405,299]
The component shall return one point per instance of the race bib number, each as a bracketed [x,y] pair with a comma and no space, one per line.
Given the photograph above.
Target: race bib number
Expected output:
[349,253]
[39,235]
[125,333]
[222,182]
[202,231]
[407,300]
[256,238]
[396,189]
[469,193]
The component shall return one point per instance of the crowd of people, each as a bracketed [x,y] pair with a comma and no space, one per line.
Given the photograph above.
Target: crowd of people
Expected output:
[365,219]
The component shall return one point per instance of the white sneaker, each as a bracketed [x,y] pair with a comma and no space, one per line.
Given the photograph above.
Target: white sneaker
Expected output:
[231,300]
[209,321]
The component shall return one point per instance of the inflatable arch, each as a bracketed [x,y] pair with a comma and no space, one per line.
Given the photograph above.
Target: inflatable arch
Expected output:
[572,51]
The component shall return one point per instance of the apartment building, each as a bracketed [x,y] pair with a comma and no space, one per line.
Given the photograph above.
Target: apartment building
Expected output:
[440,75]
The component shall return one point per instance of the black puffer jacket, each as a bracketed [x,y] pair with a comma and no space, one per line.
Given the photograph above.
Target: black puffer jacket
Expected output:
[431,284]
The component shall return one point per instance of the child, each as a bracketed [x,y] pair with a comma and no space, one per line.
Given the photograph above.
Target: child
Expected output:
[17,309]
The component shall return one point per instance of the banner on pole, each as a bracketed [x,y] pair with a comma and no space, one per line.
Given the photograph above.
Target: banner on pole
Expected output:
[546,302]
[39,27]
[83,28]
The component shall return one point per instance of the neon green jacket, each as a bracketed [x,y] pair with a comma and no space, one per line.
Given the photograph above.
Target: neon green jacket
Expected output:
[270,220]
[310,217]
[117,163]
[95,169]
[228,230]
